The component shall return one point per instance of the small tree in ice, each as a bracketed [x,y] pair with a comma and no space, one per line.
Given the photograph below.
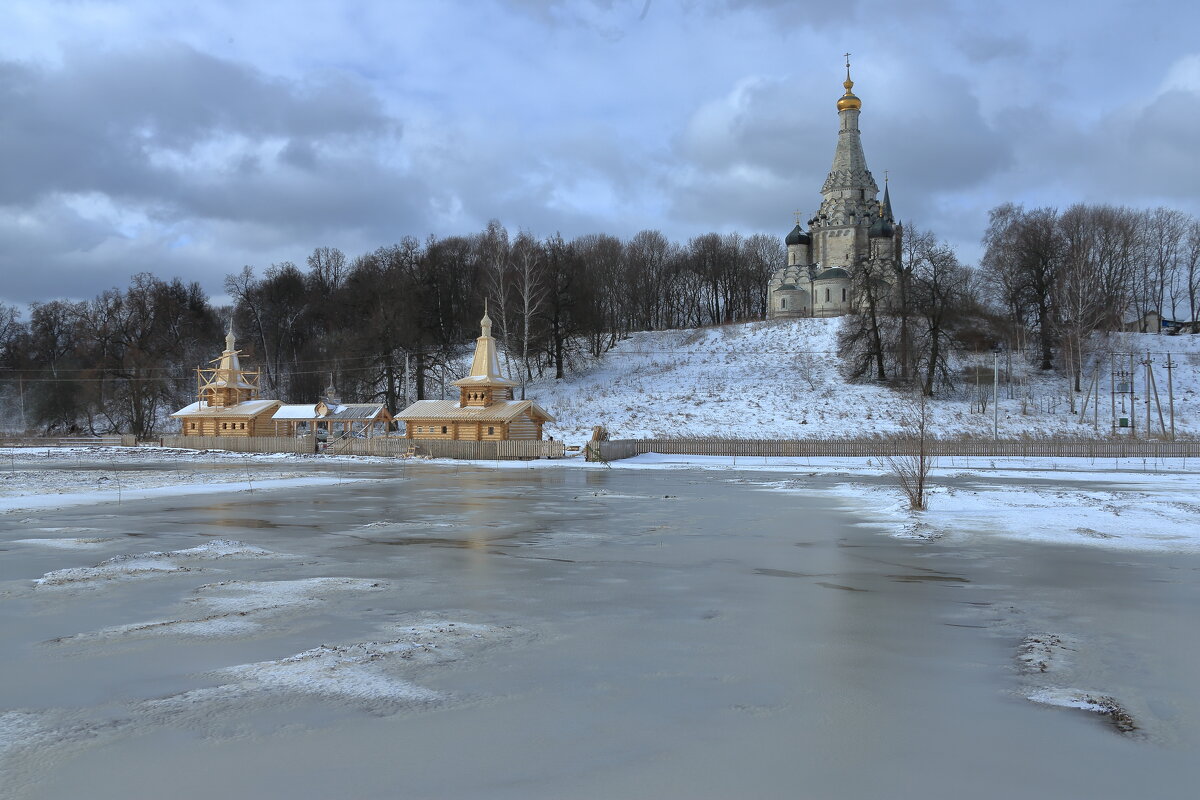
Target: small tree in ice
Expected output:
[913,459]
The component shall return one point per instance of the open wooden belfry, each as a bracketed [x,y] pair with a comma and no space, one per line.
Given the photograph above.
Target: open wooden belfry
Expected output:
[485,410]
[227,402]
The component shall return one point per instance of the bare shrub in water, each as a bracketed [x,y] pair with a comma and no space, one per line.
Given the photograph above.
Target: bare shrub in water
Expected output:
[912,460]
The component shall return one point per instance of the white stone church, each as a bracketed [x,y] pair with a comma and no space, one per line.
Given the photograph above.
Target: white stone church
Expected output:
[852,234]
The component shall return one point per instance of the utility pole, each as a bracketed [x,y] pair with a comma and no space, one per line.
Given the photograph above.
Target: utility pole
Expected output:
[1162,425]
[1148,380]
[1171,395]
[407,377]
[996,395]
[1133,400]
[1112,395]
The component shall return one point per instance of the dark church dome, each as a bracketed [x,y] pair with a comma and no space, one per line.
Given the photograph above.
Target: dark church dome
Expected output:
[882,228]
[797,236]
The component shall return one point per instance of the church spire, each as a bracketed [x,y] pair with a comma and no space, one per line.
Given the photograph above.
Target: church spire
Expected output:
[485,366]
[849,175]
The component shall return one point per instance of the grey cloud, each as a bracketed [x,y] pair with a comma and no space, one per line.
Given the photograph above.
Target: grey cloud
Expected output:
[765,149]
[188,141]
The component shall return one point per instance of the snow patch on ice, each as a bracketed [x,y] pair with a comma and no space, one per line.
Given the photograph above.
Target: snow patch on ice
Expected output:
[154,563]
[68,544]
[367,670]
[1045,652]
[238,607]
[1087,701]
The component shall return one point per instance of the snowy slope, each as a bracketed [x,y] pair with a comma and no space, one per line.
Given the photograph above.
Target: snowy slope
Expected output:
[780,379]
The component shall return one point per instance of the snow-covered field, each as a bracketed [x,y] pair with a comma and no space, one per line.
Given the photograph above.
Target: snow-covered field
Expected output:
[780,380]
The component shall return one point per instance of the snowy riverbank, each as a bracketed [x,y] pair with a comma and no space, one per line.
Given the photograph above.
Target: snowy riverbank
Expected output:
[1126,504]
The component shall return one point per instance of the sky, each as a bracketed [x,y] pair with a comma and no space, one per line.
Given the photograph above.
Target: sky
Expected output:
[188,140]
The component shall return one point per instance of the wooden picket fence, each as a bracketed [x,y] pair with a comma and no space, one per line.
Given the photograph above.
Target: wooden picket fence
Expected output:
[874,448]
[510,450]
[385,446]
[242,444]
[115,440]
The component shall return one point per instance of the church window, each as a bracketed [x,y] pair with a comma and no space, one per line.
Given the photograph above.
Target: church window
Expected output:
[826,295]
[783,304]
[843,294]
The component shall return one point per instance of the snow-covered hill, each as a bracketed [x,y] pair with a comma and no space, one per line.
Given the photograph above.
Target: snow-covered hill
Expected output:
[780,379]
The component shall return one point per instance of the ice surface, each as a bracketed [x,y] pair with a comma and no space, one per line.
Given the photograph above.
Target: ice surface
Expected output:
[704,646]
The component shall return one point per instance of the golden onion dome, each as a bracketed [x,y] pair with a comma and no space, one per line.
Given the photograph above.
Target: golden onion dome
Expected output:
[848,100]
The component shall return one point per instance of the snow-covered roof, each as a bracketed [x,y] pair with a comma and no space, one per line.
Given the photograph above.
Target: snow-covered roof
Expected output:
[501,411]
[302,411]
[250,408]
[341,412]
[356,411]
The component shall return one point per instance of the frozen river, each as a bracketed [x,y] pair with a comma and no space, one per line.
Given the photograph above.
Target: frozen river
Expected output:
[439,632]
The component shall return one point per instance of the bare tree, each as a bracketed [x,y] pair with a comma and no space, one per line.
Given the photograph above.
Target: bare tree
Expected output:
[1191,270]
[327,265]
[915,459]
[1164,231]
[939,295]
[531,292]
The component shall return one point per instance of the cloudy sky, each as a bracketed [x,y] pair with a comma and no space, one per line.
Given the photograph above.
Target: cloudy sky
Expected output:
[191,139]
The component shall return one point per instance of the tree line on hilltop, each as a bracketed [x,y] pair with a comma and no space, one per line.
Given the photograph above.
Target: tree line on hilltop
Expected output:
[1047,281]
[392,325]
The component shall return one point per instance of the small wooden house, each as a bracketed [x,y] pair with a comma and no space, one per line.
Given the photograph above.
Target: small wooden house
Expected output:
[485,410]
[227,402]
[333,417]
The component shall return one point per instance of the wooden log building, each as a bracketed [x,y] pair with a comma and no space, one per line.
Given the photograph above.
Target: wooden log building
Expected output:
[485,410]
[227,402]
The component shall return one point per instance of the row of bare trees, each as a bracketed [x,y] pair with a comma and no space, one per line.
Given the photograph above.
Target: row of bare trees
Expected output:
[393,324]
[1061,276]
[389,325]
[1047,278]
[118,362]
[911,315]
